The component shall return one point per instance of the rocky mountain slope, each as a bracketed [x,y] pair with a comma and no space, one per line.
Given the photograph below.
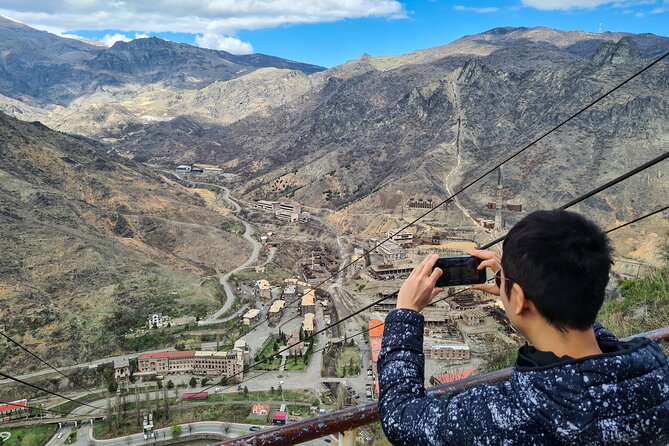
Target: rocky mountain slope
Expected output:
[39,67]
[92,243]
[366,136]
[370,138]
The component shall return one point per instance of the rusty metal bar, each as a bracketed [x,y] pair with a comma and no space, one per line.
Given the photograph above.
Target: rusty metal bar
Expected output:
[354,417]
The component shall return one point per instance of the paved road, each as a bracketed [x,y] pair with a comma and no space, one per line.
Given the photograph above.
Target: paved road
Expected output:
[248,235]
[85,437]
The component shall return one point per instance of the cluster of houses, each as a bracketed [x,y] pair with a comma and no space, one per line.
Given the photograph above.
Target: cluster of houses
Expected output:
[263,289]
[284,210]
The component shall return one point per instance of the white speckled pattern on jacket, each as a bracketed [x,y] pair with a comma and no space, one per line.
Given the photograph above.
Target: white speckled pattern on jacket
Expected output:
[611,399]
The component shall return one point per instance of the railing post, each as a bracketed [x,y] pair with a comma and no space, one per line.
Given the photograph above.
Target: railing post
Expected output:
[347,438]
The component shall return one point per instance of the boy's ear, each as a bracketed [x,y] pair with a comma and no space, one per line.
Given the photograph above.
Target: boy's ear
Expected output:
[522,303]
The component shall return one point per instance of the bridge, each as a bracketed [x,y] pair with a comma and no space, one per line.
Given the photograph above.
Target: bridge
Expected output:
[47,420]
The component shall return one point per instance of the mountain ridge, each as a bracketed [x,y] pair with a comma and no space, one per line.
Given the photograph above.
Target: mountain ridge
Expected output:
[54,70]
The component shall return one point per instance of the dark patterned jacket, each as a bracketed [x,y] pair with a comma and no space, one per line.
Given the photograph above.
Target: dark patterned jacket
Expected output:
[620,397]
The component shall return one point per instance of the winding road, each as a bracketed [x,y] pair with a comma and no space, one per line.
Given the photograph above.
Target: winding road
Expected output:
[248,235]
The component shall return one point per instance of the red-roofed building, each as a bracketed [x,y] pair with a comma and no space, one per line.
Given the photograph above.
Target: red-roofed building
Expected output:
[279,418]
[230,364]
[165,362]
[15,407]
[455,376]
[260,409]
[375,338]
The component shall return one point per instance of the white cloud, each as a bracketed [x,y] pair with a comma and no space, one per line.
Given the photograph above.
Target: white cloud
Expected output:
[141,36]
[225,43]
[564,5]
[483,10]
[110,39]
[71,36]
[215,22]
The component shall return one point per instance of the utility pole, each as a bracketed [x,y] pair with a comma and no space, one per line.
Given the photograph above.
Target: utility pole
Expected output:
[139,418]
[109,415]
[157,401]
[118,411]
[167,402]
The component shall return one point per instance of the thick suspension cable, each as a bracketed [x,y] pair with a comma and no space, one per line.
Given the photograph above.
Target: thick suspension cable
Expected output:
[492,169]
[565,206]
[43,361]
[608,231]
[50,392]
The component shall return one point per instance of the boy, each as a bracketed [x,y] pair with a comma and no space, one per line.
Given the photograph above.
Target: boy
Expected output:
[575,385]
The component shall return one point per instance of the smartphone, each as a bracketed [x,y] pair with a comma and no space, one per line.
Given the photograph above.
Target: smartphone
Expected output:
[459,270]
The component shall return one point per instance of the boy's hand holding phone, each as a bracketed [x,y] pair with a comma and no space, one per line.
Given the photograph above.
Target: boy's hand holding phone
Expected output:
[419,289]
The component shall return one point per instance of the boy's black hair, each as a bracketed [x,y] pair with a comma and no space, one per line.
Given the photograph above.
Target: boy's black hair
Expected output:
[562,262]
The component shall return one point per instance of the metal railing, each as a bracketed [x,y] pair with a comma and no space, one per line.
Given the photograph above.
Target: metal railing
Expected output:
[347,420]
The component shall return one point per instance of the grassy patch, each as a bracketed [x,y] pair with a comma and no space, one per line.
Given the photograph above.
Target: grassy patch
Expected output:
[269,348]
[29,436]
[269,364]
[643,305]
[296,363]
[348,362]
[275,273]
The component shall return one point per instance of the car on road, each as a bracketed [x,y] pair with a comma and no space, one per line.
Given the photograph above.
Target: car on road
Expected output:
[255,428]
[60,435]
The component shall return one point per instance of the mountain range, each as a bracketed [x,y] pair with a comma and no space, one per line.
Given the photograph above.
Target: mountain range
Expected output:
[91,235]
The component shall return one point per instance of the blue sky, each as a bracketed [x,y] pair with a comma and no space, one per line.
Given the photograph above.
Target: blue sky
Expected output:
[324,32]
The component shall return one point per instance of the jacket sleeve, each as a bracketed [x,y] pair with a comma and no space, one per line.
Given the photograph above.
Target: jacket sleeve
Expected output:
[602,333]
[483,414]
[408,416]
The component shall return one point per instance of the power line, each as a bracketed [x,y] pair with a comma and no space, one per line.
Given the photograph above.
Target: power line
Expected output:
[492,169]
[643,217]
[44,361]
[34,386]
[42,409]
[321,331]
[599,189]
[565,206]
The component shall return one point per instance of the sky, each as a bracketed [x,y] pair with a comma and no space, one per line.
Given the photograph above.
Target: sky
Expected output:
[327,32]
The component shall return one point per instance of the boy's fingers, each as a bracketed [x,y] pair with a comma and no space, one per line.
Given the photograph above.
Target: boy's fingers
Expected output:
[436,274]
[484,254]
[427,264]
[487,288]
[493,264]
[417,269]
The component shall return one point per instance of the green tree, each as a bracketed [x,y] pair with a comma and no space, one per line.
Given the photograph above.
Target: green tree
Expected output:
[170,384]
[192,382]
[246,391]
[112,386]
[176,430]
